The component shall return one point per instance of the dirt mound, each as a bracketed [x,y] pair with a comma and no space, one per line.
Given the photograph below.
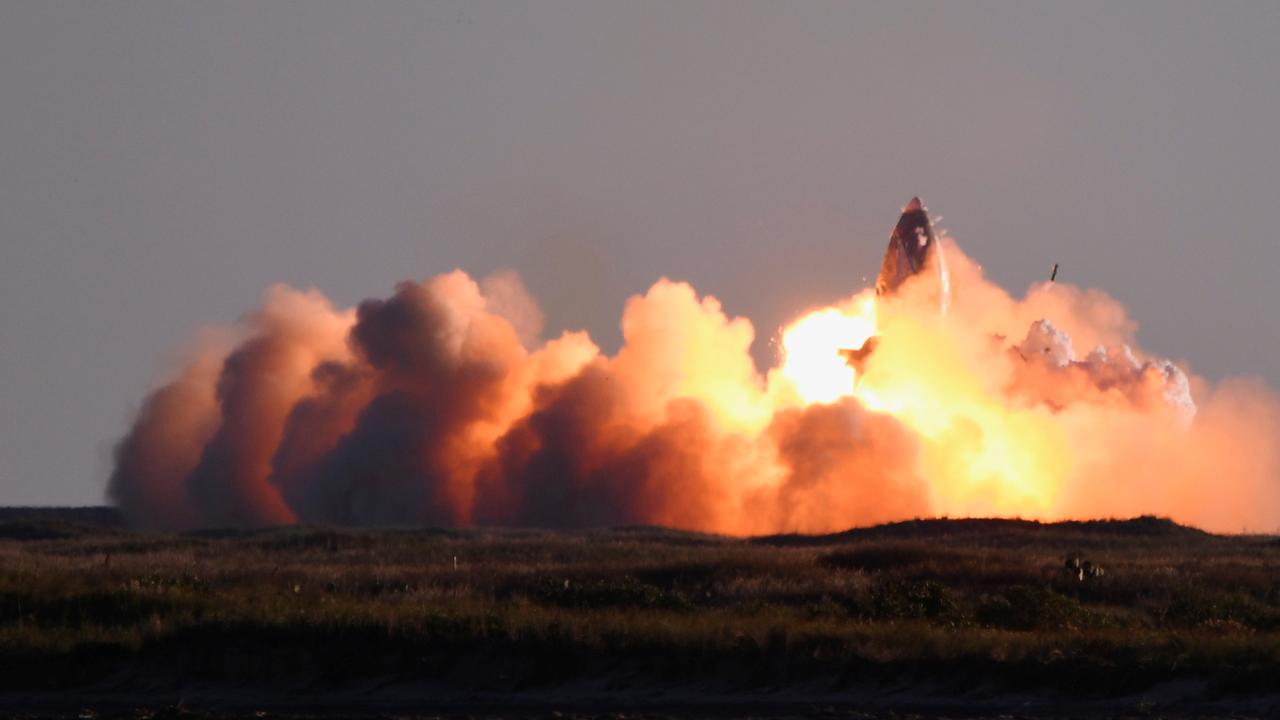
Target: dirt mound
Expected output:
[921,529]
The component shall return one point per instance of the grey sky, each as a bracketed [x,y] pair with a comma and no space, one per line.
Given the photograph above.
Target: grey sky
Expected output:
[162,163]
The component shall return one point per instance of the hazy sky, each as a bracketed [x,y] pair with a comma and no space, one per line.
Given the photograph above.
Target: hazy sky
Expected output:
[162,163]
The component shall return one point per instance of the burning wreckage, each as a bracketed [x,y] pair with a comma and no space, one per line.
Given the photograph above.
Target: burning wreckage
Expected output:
[910,246]
[914,250]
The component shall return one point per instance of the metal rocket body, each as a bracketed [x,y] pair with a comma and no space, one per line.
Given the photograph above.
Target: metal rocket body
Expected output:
[909,246]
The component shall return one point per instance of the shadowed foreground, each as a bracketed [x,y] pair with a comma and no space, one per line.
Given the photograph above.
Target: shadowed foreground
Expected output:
[960,617]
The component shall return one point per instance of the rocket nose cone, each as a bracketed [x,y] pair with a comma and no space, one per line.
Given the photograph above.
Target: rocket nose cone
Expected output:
[913,206]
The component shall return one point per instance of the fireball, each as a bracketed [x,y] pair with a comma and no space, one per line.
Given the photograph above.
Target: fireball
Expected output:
[811,349]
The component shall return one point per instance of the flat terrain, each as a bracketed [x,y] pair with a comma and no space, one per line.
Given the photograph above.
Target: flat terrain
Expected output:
[959,618]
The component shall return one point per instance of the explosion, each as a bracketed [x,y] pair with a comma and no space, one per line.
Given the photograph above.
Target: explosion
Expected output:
[935,393]
[811,350]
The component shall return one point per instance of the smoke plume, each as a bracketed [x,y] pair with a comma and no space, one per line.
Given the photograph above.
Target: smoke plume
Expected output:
[440,405]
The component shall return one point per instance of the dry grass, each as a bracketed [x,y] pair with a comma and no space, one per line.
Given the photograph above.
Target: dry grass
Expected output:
[961,602]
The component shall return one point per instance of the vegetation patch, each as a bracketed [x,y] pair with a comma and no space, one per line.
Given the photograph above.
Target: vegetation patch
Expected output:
[953,603]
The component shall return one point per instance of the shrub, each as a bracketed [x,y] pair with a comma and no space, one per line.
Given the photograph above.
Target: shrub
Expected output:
[911,600]
[1026,607]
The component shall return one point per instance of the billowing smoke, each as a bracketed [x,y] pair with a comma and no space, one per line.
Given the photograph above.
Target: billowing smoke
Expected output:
[440,405]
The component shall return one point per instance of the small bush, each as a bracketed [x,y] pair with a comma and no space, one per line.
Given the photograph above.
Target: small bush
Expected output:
[902,599]
[880,558]
[623,592]
[1031,608]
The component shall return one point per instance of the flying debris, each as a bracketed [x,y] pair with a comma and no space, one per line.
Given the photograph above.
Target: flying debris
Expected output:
[857,359]
[909,247]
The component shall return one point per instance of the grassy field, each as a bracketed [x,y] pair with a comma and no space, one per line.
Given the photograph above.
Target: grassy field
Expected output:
[951,605]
